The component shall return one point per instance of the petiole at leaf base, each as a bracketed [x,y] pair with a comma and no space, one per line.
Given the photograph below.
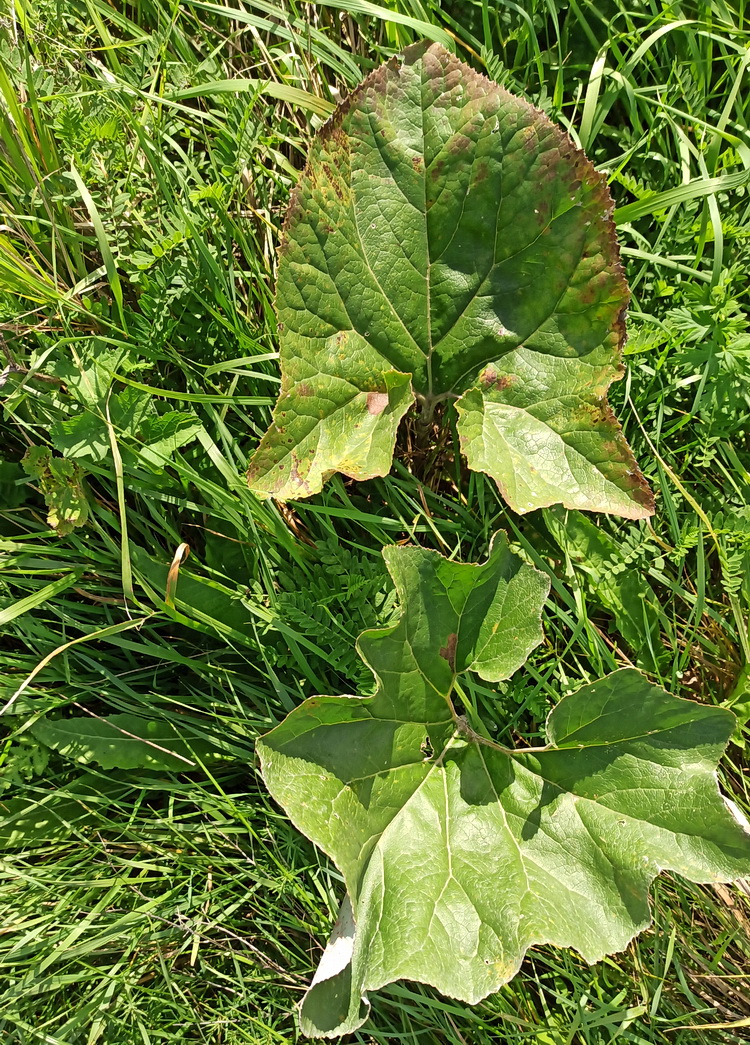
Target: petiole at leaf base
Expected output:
[458,855]
[447,241]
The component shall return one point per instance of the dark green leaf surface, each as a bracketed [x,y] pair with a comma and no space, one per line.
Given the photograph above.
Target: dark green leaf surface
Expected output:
[125,742]
[133,417]
[458,855]
[447,242]
[37,819]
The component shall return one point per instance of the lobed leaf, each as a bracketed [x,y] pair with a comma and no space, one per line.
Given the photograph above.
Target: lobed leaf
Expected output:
[447,242]
[459,854]
[61,485]
[133,416]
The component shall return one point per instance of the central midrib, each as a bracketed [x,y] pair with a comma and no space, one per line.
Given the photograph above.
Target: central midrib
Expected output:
[428,298]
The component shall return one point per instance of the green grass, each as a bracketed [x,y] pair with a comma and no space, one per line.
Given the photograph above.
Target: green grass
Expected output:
[148,151]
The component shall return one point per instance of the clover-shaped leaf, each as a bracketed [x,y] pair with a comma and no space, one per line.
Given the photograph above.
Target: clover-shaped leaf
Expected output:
[448,243]
[459,854]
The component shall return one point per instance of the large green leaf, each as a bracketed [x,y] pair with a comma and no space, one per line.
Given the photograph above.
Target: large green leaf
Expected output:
[459,854]
[447,242]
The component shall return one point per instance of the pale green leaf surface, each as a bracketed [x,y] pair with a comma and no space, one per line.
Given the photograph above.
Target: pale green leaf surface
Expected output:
[85,434]
[89,379]
[82,435]
[528,426]
[458,855]
[133,416]
[447,242]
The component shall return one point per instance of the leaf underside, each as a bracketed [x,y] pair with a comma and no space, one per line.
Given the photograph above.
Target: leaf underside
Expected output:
[458,855]
[446,241]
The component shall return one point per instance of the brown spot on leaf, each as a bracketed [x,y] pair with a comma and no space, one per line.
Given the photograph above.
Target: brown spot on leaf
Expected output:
[303,389]
[529,138]
[459,144]
[417,163]
[339,136]
[448,651]
[490,380]
[334,179]
[377,402]
[295,476]
[642,492]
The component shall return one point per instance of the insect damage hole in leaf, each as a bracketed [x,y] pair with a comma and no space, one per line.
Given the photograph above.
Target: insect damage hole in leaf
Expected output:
[448,243]
[457,863]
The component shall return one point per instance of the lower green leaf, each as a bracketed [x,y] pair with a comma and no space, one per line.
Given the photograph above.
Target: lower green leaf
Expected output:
[459,854]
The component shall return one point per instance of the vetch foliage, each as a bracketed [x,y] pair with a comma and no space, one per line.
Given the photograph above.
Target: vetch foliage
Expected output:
[448,243]
[459,854]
